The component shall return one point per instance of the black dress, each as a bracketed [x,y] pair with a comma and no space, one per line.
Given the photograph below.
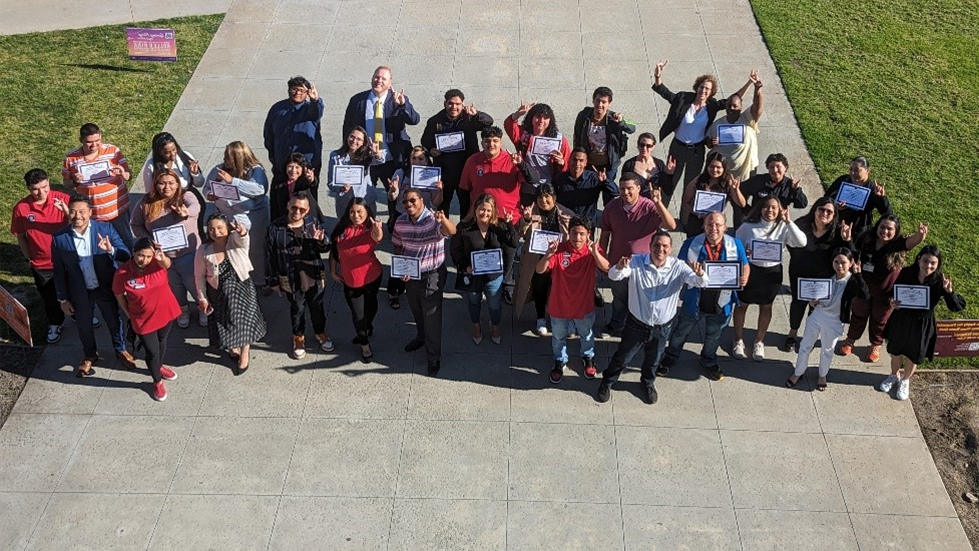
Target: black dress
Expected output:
[236,320]
[910,332]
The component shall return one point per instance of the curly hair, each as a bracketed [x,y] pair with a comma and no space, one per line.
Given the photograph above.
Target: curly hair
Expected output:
[543,110]
[707,78]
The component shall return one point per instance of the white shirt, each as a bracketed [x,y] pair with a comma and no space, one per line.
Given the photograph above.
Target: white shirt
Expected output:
[372,99]
[693,126]
[83,246]
[785,232]
[655,292]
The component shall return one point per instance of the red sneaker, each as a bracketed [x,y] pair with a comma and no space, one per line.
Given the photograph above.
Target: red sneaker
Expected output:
[168,374]
[846,348]
[874,353]
[590,370]
[159,392]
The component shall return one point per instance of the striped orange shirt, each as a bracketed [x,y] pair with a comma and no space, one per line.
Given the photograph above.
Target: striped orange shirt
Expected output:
[109,194]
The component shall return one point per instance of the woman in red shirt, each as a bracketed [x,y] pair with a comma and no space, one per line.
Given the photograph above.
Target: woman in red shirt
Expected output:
[142,289]
[354,242]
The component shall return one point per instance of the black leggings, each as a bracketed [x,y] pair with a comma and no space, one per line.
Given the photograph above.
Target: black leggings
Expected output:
[363,307]
[540,289]
[155,345]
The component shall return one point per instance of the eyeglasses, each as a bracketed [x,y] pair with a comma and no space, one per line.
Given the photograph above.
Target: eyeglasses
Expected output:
[647,145]
[410,201]
[297,89]
[826,211]
[298,209]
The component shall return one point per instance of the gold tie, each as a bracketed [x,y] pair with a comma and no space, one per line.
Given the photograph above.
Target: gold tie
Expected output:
[379,121]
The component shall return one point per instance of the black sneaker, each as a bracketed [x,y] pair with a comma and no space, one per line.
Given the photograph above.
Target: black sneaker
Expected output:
[414,345]
[791,345]
[434,367]
[651,395]
[508,296]
[713,372]
[558,372]
[663,369]
[604,393]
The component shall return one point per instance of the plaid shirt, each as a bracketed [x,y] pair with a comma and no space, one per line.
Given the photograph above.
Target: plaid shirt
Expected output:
[421,239]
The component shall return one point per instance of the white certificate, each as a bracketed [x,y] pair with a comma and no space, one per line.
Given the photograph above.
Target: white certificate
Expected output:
[350,175]
[222,190]
[425,177]
[541,239]
[814,288]
[853,197]
[723,275]
[545,146]
[766,251]
[730,134]
[486,262]
[171,238]
[916,297]
[706,202]
[95,171]
[405,266]
[451,141]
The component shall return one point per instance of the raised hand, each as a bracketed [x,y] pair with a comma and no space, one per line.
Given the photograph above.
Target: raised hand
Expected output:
[393,185]
[527,212]
[557,158]
[313,94]
[785,215]
[195,167]
[794,183]
[735,184]
[509,217]
[846,231]
[434,152]
[517,158]
[309,175]
[319,233]
[602,175]
[623,262]
[658,71]
[375,149]
[158,254]
[61,205]
[181,210]
[753,78]
[552,248]
[438,214]
[923,230]
[104,243]
[471,110]
[522,110]
[617,117]
[657,195]
[377,229]
[946,284]
[878,190]
[670,164]
[399,97]
[697,267]
[225,175]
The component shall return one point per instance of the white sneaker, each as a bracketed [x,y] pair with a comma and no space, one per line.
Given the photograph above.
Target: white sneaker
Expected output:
[738,349]
[758,352]
[202,320]
[903,389]
[541,327]
[183,321]
[887,384]
[96,322]
[54,334]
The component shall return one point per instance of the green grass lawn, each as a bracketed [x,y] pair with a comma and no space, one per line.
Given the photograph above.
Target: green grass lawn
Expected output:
[53,83]
[898,82]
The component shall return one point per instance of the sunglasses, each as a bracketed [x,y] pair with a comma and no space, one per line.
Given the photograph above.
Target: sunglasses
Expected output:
[646,145]
[409,201]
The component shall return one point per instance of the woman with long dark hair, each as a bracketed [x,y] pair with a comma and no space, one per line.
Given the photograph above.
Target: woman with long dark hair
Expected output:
[357,150]
[165,152]
[538,120]
[297,175]
[716,178]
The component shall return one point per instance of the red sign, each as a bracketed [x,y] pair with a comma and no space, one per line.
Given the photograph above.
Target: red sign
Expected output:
[151,44]
[957,338]
[14,313]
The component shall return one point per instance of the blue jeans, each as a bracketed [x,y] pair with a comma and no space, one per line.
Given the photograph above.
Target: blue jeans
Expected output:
[637,336]
[561,327]
[493,289]
[684,323]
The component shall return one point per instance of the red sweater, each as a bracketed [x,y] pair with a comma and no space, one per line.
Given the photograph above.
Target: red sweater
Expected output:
[498,177]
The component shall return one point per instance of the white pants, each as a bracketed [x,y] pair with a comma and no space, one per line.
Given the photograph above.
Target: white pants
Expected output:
[826,327]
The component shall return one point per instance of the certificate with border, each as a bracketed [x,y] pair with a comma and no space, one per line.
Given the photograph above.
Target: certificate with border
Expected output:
[171,238]
[730,134]
[766,251]
[545,146]
[489,261]
[706,202]
[450,141]
[723,275]
[425,177]
[95,172]
[810,288]
[350,175]
[405,266]
[853,196]
[913,297]
[222,190]
[541,239]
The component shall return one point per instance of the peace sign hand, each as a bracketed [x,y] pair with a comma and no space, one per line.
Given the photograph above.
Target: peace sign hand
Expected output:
[697,267]
[399,97]
[224,175]
[670,164]
[522,110]
[60,205]
[471,110]
[104,243]
[623,262]
[319,233]
[846,231]
[946,284]
[658,71]
[181,210]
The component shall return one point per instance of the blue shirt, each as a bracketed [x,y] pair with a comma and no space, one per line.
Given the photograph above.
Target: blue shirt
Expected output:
[294,128]
[83,246]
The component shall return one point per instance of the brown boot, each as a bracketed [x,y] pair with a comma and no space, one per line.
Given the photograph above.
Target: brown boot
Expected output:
[298,347]
[127,359]
[85,368]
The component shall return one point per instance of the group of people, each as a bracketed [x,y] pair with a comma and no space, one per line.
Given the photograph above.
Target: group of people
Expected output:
[529,229]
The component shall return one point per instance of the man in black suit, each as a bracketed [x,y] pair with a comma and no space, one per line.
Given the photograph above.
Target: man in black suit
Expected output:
[383,113]
[85,256]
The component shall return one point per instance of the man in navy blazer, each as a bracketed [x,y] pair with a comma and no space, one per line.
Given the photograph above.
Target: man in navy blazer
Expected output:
[85,256]
[387,132]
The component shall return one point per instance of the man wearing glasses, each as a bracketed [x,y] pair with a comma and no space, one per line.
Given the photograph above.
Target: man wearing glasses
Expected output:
[293,126]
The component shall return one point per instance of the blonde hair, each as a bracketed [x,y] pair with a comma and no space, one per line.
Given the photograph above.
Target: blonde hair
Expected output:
[241,159]
[155,204]
[486,199]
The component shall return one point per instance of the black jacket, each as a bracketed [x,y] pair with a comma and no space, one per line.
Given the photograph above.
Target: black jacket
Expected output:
[760,186]
[855,288]
[617,137]
[283,250]
[861,219]
[395,118]
[453,162]
[680,102]
[659,179]
[581,195]
[468,238]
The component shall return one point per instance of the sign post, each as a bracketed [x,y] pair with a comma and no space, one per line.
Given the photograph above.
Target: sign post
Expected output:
[957,338]
[151,44]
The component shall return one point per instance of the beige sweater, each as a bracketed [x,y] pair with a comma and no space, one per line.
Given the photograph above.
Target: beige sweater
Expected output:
[206,267]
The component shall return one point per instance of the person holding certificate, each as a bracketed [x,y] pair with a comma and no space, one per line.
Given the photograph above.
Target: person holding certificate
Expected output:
[830,310]
[714,303]
[293,247]
[357,151]
[788,190]
[865,194]
[142,290]
[545,158]
[451,137]
[603,134]
[164,150]
[354,264]
[99,171]
[482,250]
[540,224]
[736,134]
[715,179]
[881,251]
[572,264]
[169,216]
[420,233]
[225,293]
[239,187]
[766,232]
[298,176]
[652,172]
[911,331]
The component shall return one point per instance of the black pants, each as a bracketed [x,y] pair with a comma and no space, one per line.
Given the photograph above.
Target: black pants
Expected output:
[383,173]
[636,335]
[155,347]
[540,289]
[44,281]
[465,199]
[425,301]
[299,302]
[363,307]
[689,164]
